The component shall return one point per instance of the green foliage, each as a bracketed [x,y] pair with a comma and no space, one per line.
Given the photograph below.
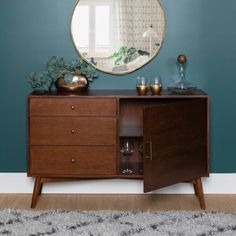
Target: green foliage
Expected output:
[39,80]
[126,54]
[143,53]
[56,67]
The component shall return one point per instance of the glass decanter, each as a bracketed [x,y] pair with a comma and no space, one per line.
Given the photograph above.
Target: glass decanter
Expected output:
[181,84]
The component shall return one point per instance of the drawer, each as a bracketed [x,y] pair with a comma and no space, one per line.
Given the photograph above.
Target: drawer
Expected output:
[66,160]
[72,130]
[71,107]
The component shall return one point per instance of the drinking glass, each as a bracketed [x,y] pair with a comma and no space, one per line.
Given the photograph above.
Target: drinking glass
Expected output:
[156,85]
[140,150]
[127,149]
[142,85]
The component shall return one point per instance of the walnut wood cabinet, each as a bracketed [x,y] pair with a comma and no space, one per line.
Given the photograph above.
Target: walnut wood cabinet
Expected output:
[74,137]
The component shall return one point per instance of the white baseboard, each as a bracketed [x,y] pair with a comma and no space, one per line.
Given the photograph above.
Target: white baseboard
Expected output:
[20,183]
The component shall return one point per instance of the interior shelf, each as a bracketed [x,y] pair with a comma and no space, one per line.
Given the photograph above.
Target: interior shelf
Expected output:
[131,131]
[134,168]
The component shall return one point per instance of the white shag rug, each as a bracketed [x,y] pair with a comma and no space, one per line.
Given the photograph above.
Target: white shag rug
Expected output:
[116,223]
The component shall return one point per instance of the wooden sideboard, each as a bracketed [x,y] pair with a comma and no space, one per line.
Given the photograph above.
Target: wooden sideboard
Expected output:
[73,137]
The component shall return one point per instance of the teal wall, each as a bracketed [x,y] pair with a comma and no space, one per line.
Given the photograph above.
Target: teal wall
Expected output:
[31,30]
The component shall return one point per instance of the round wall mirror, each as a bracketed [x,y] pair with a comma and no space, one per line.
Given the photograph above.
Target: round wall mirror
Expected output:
[118,36]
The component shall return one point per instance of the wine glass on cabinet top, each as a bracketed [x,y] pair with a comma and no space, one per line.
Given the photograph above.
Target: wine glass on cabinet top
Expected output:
[142,85]
[156,85]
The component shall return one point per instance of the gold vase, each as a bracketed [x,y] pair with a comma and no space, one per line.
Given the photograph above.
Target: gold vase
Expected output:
[78,83]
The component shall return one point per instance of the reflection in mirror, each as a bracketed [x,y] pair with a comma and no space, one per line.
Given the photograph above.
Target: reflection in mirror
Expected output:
[118,36]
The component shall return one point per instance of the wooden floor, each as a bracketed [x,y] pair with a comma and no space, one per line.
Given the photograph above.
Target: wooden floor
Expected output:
[118,202]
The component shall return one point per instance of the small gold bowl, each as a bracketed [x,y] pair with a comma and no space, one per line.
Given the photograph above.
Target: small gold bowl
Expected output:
[78,83]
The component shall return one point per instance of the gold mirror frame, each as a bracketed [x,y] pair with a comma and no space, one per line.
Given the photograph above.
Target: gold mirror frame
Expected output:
[127,71]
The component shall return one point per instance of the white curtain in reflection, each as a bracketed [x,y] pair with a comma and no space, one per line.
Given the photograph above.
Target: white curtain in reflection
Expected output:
[131,18]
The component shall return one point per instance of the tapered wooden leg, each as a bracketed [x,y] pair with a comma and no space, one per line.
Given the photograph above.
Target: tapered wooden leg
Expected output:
[199,192]
[40,188]
[36,192]
[194,186]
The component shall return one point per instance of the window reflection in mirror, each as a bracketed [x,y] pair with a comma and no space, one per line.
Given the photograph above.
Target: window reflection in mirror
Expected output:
[118,36]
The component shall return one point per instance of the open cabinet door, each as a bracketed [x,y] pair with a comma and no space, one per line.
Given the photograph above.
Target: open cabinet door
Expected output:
[175,142]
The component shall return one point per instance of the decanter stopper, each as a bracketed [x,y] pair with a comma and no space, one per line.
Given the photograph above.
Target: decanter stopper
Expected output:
[182,59]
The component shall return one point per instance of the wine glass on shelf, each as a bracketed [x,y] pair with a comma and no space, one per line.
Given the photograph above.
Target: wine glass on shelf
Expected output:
[127,149]
[140,150]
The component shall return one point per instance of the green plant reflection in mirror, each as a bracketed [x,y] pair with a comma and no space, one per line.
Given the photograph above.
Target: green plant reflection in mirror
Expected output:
[118,36]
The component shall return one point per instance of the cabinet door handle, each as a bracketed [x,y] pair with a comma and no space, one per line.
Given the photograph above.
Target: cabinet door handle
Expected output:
[72,131]
[72,107]
[72,160]
[149,143]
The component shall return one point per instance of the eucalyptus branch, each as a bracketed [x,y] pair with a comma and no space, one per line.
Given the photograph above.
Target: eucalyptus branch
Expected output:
[55,67]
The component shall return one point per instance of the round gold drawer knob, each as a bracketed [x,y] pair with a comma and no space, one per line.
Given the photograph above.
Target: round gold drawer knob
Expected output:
[72,131]
[72,107]
[72,160]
